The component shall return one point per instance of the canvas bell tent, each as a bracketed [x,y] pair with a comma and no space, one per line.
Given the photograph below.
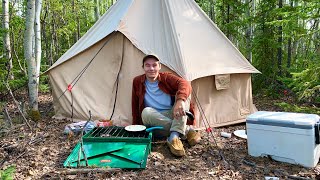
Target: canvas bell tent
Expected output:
[100,67]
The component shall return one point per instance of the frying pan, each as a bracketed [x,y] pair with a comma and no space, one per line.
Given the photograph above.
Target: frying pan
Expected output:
[139,128]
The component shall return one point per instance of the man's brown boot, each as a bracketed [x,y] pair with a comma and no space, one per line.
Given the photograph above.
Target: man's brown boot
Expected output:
[193,137]
[176,147]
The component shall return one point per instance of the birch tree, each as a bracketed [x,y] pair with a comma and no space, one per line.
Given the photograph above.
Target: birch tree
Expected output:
[38,51]
[30,56]
[6,38]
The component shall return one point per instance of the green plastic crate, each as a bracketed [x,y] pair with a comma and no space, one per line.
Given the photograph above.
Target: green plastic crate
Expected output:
[112,147]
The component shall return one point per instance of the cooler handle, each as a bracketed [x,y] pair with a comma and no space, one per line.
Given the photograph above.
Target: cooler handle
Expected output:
[316,133]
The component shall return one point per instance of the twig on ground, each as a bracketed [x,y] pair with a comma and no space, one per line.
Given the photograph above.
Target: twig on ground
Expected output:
[87,170]
[290,176]
[297,177]
[3,160]
[249,163]
[36,139]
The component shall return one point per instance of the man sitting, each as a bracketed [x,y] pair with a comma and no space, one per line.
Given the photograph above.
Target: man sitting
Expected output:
[162,99]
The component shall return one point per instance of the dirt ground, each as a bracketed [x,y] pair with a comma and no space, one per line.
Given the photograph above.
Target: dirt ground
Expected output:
[39,154]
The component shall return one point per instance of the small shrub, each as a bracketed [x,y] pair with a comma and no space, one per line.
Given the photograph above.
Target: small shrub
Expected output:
[35,115]
[295,108]
[8,173]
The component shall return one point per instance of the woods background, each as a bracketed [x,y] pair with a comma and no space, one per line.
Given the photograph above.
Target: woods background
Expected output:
[281,38]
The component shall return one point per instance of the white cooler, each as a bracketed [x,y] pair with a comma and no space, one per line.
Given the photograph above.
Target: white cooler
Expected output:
[286,137]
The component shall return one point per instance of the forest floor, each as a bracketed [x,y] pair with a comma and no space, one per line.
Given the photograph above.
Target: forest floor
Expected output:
[39,154]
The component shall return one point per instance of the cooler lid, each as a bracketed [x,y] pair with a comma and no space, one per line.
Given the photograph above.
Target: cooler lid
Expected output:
[284,119]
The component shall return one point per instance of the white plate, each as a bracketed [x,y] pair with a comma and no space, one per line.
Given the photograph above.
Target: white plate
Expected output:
[135,128]
[240,133]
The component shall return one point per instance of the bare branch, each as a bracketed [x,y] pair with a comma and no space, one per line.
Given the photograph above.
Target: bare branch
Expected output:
[17,104]
[22,69]
[7,116]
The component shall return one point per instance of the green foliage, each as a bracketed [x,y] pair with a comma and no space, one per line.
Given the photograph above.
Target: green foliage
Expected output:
[264,47]
[306,83]
[229,17]
[44,84]
[302,76]
[295,108]
[69,19]
[44,88]
[8,173]
[21,83]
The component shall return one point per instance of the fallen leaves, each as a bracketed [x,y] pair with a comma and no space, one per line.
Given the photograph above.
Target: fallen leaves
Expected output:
[39,155]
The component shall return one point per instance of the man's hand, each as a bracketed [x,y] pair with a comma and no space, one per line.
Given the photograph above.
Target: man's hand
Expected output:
[178,109]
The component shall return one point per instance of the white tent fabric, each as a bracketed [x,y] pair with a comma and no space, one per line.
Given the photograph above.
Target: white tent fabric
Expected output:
[178,31]
[108,23]
[187,43]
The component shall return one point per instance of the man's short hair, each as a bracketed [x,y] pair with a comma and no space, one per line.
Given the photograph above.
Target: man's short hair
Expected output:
[149,56]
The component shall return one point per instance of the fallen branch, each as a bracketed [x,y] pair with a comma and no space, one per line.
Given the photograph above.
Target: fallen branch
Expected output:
[290,176]
[249,163]
[17,104]
[297,177]
[36,139]
[6,158]
[7,116]
[88,170]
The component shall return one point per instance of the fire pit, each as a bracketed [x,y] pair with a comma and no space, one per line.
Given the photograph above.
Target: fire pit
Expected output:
[112,147]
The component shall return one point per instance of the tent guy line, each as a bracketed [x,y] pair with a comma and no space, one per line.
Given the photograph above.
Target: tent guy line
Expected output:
[207,126]
[76,79]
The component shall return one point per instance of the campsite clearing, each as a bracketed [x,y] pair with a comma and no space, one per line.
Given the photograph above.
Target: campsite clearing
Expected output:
[40,155]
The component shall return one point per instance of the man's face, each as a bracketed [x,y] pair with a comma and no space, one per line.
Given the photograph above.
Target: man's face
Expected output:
[151,68]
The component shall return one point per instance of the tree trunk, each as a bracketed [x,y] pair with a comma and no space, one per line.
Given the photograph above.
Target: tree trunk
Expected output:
[279,54]
[52,44]
[289,49]
[228,21]
[212,12]
[75,13]
[78,28]
[29,55]
[6,38]
[97,9]
[248,33]
[295,40]
[38,50]
[44,34]
[317,37]
[289,54]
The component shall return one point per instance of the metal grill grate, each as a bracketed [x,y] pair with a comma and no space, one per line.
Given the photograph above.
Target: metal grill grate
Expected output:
[113,147]
[115,132]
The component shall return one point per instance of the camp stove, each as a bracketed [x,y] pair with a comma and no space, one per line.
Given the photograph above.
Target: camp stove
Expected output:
[112,147]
